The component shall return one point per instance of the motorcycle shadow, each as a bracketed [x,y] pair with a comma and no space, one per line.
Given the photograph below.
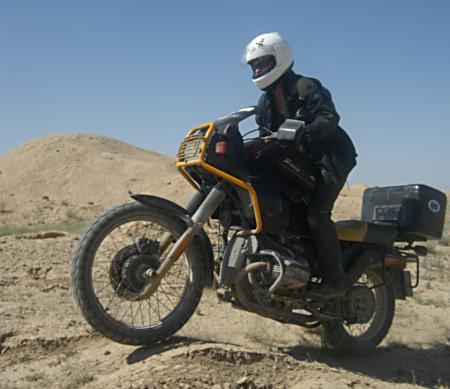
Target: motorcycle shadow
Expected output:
[397,363]
[145,352]
[175,342]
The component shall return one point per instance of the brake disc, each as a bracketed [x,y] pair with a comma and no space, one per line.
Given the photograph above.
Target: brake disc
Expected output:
[128,266]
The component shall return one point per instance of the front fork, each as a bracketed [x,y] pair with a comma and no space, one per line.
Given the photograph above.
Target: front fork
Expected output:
[193,204]
[202,210]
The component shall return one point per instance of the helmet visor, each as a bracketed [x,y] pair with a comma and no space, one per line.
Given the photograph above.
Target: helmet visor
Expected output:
[262,65]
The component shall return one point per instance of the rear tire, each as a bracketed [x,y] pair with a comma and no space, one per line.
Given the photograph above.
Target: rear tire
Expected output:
[337,336]
[89,302]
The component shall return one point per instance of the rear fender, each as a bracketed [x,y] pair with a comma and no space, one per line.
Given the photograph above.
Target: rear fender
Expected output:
[375,258]
[357,264]
[201,241]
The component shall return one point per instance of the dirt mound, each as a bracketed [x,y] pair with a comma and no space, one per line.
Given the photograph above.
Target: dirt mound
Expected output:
[81,168]
[46,178]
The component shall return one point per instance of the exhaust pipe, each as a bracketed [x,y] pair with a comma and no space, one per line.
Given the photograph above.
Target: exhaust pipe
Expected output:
[308,321]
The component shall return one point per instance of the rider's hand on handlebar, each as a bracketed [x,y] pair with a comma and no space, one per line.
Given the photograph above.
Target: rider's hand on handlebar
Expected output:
[303,138]
[291,131]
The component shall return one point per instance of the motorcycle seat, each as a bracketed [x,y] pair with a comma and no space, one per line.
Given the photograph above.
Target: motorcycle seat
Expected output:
[360,231]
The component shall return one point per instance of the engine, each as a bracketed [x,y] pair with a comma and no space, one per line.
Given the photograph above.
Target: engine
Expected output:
[285,273]
[284,270]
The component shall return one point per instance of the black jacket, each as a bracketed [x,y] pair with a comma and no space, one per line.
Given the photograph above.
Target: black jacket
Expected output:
[306,99]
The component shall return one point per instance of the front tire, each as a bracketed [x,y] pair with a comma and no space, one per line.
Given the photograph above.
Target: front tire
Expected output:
[341,338]
[107,251]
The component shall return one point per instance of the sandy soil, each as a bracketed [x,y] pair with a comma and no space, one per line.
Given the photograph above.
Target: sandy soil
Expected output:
[45,342]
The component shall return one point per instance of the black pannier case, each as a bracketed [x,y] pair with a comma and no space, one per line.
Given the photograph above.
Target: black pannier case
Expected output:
[418,210]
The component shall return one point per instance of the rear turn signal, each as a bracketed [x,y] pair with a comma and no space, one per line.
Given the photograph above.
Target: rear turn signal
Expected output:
[221,148]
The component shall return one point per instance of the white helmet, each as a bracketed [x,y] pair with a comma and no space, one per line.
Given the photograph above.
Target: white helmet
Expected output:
[269,56]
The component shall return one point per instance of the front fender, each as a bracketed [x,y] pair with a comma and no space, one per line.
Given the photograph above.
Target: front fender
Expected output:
[201,242]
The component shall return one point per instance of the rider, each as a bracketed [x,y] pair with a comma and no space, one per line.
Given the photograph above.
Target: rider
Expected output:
[287,95]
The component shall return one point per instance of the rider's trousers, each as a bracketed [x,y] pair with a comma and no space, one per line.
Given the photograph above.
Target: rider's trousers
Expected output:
[328,186]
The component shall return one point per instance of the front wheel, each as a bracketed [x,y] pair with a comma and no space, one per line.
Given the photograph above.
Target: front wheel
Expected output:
[369,310]
[109,268]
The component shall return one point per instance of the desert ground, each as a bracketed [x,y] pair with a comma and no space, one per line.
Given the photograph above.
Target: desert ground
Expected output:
[50,188]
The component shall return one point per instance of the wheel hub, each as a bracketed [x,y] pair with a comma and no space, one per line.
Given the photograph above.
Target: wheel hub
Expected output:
[129,265]
[133,271]
[360,305]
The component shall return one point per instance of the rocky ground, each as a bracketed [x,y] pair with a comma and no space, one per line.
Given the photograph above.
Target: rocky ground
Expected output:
[45,342]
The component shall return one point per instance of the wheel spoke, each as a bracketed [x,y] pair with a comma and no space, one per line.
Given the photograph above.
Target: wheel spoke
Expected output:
[113,296]
[125,312]
[165,306]
[132,316]
[103,287]
[164,292]
[177,294]
[153,309]
[157,304]
[142,316]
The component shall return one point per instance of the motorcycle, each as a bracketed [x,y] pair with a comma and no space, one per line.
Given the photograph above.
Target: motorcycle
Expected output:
[140,268]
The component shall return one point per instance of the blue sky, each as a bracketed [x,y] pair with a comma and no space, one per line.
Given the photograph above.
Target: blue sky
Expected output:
[145,72]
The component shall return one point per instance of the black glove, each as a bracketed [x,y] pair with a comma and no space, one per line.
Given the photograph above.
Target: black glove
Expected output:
[304,138]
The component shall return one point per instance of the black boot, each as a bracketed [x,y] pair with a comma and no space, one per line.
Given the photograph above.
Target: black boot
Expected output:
[328,290]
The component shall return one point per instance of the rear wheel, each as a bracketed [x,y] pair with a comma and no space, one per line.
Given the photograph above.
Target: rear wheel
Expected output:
[369,311]
[108,272]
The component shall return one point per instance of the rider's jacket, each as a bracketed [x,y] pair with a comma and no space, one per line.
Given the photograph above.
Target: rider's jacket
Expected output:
[306,99]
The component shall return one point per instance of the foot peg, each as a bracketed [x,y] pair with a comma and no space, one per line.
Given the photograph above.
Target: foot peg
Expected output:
[224,295]
[326,292]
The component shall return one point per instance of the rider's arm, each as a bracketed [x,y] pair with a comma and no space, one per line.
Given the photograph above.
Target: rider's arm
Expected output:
[317,109]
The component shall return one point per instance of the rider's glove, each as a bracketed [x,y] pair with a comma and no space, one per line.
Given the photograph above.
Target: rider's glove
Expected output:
[304,138]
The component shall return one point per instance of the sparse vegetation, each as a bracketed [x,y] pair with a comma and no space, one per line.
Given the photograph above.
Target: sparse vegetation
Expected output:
[445,241]
[436,264]
[73,226]
[435,301]
[432,247]
[435,268]
[72,216]
[73,223]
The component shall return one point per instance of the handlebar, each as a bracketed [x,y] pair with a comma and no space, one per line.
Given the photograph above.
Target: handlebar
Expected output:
[290,130]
